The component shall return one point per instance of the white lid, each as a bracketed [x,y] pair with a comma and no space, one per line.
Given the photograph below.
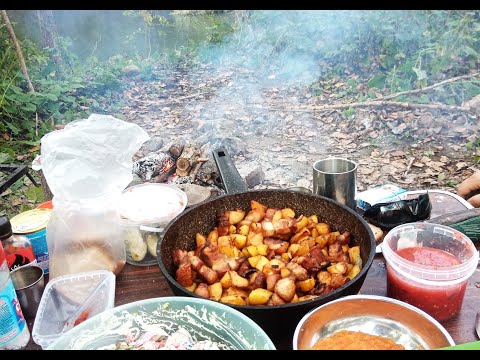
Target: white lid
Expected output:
[152,203]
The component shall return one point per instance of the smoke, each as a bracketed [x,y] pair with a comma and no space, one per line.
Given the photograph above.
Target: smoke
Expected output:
[279,42]
[268,50]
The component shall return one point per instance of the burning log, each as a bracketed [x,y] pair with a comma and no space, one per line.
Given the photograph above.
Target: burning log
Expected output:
[155,165]
[190,155]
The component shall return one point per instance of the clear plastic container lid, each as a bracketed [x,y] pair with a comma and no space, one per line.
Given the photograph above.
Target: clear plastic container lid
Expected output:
[69,300]
[151,203]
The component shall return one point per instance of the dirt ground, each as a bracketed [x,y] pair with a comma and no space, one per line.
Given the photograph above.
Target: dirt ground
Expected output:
[271,130]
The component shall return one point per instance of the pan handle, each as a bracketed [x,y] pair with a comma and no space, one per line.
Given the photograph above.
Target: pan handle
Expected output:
[231,179]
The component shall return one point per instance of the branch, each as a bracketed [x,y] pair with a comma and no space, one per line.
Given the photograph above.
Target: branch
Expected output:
[23,67]
[169,102]
[410,162]
[374,103]
[441,83]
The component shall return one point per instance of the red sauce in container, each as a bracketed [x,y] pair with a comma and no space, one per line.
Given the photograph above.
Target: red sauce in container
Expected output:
[442,301]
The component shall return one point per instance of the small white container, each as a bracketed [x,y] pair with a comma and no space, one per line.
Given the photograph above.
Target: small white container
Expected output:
[145,210]
[69,300]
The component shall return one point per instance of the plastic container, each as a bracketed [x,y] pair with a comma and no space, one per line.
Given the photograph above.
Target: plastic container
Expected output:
[14,333]
[145,211]
[69,300]
[428,266]
[33,224]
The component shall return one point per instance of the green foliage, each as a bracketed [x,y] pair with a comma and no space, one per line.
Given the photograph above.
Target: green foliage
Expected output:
[35,194]
[475,144]
[348,112]
[394,50]
[62,94]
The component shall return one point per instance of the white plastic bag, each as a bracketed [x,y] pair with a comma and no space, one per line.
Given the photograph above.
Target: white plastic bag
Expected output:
[87,165]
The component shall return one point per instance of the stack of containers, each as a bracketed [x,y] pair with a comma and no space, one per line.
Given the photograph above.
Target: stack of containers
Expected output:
[145,211]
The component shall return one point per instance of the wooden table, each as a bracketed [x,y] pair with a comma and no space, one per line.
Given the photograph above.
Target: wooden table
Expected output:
[139,283]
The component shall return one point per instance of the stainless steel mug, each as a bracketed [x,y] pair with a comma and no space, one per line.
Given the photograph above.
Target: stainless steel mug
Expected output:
[336,178]
[28,282]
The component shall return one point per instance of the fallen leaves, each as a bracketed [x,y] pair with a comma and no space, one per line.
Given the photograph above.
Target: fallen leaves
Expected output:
[419,148]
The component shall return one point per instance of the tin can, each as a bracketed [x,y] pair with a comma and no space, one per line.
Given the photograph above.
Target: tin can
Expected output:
[33,224]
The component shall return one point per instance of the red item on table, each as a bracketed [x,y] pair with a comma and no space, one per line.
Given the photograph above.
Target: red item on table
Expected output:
[442,301]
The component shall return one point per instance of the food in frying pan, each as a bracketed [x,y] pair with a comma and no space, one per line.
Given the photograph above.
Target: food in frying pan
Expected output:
[267,256]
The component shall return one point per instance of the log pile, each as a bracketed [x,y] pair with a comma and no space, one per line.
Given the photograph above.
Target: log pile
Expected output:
[186,159]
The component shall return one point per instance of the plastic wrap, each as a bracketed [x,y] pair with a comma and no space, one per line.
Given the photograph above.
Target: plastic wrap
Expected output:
[87,165]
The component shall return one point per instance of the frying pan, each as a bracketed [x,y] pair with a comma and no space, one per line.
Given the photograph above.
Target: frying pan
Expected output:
[278,321]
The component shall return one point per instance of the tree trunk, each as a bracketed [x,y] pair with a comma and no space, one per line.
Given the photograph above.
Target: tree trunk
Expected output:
[21,59]
[49,34]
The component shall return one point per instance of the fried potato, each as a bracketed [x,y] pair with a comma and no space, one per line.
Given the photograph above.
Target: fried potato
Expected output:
[192,287]
[261,262]
[353,272]
[215,291]
[322,228]
[255,205]
[226,280]
[235,291]
[233,300]
[213,236]
[354,254]
[234,217]
[305,285]
[239,240]
[200,239]
[238,281]
[259,296]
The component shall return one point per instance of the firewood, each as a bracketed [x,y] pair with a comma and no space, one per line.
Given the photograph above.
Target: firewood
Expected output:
[183,164]
[191,152]
[208,172]
[163,176]
[196,167]
[181,172]
[176,148]
[153,165]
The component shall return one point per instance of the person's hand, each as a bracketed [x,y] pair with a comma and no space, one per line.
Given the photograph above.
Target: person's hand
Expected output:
[469,189]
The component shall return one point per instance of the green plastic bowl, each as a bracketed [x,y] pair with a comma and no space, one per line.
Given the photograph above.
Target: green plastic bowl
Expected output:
[204,319]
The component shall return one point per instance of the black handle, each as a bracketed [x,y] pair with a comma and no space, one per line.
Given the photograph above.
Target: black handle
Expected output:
[231,179]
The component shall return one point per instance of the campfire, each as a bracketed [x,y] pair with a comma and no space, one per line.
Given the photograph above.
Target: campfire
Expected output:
[186,163]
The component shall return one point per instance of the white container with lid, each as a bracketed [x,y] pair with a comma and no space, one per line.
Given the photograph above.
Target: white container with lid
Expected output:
[145,210]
